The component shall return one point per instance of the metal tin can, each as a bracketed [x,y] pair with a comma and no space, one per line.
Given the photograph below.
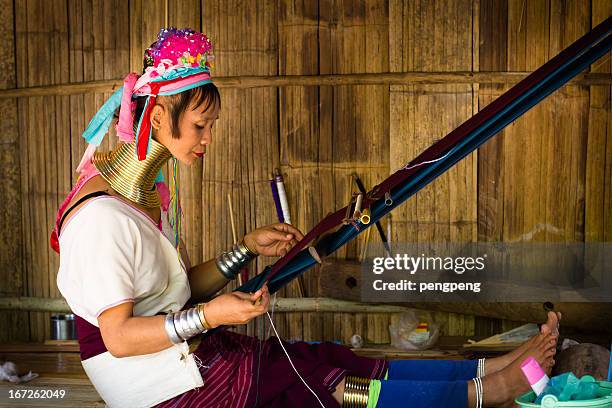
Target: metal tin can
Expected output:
[63,327]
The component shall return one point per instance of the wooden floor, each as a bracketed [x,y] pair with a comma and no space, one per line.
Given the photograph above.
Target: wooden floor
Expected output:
[59,368]
[78,393]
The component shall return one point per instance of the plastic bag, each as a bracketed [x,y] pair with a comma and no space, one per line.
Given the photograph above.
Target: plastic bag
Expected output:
[414,331]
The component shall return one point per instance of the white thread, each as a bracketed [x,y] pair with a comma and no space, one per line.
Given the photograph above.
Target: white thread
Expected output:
[408,167]
[291,362]
[273,308]
[198,362]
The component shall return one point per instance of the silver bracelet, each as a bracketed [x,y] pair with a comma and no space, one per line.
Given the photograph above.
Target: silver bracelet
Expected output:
[480,371]
[479,392]
[170,330]
[230,262]
[194,316]
[187,325]
[183,325]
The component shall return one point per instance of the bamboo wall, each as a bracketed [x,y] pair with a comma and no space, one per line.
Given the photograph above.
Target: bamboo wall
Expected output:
[547,178]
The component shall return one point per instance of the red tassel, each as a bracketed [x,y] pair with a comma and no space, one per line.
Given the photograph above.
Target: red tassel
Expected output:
[145,124]
[145,130]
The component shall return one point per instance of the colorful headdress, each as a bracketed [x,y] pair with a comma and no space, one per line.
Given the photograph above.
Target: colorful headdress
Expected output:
[178,61]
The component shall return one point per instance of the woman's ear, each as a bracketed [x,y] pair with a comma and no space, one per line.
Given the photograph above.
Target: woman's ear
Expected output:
[158,115]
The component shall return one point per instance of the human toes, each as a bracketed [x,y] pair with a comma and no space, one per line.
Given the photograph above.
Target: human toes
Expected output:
[548,343]
[552,323]
[548,365]
[542,339]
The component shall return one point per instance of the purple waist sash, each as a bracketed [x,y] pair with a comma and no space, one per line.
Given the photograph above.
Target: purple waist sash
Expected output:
[90,339]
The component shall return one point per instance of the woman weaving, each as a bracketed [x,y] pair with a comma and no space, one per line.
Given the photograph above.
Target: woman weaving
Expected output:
[136,299]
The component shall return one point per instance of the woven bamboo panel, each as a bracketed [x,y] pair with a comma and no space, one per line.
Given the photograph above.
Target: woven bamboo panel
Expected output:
[598,186]
[302,150]
[358,41]
[12,325]
[429,36]
[245,149]
[41,38]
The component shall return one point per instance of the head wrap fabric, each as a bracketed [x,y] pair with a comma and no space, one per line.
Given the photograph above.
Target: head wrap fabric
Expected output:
[163,88]
[99,125]
[125,125]
[180,60]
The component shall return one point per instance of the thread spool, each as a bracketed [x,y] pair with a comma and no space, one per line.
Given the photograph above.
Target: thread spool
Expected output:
[276,199]
[282,195]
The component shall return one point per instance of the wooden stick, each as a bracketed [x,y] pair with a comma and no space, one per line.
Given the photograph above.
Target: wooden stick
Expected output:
[234,235]
[231,214]
[389,232]
[349,206]
[59,305]
[244,82]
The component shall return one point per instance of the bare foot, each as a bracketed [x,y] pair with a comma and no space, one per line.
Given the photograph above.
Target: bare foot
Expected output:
[496,364]
[551,326]
[502,387]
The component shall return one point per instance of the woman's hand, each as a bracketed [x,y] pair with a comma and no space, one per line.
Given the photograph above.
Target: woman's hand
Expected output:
[236,307]
[273,240]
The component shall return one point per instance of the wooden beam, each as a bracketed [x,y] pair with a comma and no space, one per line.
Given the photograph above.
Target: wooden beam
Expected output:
[282,305]
[39,304]
[244,82]
[332,305]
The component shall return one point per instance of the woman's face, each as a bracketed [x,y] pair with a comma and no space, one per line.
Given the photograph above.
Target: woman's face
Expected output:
[195,131]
